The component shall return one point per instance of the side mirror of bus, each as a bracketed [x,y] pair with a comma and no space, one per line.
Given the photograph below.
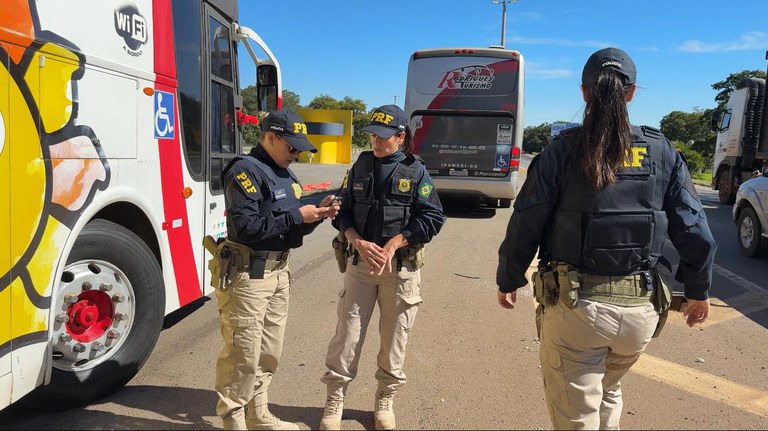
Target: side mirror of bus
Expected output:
[266,81]
[714,122]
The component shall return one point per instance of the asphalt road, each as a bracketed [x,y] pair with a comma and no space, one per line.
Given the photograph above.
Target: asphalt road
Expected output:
[470,364]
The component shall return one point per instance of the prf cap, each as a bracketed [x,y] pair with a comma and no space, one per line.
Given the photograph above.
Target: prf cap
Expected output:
[290,126]
[386,121]
[613,58]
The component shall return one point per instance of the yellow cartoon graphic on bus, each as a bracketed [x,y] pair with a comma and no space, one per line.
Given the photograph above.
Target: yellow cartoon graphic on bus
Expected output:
[50,166]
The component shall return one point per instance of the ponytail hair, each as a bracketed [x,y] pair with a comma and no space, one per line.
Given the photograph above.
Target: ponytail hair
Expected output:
[606,134]
[407,145]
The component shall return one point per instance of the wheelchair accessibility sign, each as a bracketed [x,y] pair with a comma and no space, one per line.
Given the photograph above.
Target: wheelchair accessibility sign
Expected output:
[164,115]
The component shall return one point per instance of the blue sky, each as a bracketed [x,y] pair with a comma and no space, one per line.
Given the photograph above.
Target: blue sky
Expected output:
[360,48]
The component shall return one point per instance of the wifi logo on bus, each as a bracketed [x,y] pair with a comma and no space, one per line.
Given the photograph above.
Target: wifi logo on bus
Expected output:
[132,27]
[468,78]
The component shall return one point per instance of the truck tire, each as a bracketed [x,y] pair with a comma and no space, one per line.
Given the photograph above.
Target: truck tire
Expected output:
[107,313]
[725,188]
[749,233]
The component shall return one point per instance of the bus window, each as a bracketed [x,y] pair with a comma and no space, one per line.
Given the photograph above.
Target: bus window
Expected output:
[223,121]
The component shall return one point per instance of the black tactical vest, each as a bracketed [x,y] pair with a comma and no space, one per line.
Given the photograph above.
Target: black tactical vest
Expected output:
[280,196]
[392,212]
[621,229]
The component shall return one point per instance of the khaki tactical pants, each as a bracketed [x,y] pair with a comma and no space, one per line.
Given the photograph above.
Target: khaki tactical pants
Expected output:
[585,352]
[253,315]
[398,296]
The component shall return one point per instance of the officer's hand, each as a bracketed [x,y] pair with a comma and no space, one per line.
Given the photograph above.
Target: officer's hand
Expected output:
[333,208]
[506,300]
[371,253]
[311,213]
[696,311]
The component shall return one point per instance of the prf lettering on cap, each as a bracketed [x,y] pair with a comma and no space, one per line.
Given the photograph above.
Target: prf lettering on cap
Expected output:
[635,157]
[300,128]
[381,117]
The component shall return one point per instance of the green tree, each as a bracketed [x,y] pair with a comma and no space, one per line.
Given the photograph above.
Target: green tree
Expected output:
[535,138]
[359,110]
[251,133]
[692,130]
[730,83]
[291,101]
[694,159]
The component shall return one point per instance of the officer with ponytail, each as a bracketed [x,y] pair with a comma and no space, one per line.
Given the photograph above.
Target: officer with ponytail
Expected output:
[598,203]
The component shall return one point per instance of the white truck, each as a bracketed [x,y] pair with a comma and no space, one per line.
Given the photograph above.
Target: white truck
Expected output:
[742,138]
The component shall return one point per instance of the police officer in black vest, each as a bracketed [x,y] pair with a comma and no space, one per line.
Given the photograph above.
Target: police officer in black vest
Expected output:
[599,203]
[265,219]
[389,210]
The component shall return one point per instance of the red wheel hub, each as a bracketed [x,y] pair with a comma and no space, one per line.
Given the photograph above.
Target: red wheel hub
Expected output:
[90,316]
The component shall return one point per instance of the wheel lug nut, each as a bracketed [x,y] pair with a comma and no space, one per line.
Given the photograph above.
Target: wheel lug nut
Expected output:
[87,286]
[118,297]
[70,298]
[97,347]
[65,337]
[78,348]
[121,316]
[105,287]
[113,334]
[62,317]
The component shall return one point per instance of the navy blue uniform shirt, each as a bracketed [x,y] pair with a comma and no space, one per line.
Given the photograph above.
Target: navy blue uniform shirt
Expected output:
[246,194]
[426,217]
[538,197]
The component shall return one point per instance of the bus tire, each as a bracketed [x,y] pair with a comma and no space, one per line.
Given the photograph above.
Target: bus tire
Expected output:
[505,203]
[105,252]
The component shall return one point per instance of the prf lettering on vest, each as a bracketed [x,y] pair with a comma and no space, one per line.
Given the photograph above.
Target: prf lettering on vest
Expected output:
[635,156]
[246,183]
[381,117]
[300,128]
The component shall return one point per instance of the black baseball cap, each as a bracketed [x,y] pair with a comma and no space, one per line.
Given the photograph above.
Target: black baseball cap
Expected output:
[290,126]
[614,58]
[386,121]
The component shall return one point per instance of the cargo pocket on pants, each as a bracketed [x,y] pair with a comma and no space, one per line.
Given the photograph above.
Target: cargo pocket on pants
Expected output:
[552,374]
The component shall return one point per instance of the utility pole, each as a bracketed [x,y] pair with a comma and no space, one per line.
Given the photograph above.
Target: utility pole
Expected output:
[503,17]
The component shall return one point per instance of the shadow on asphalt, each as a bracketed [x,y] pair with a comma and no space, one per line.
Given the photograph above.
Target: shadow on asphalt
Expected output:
[170,407]
[310,416]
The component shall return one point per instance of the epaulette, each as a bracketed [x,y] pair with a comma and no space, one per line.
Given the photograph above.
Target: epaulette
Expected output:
[651,132]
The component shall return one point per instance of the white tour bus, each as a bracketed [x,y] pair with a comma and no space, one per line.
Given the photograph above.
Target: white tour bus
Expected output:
[465,107]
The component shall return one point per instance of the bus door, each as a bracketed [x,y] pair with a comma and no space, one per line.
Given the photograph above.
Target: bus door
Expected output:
[220,91]
[5,226]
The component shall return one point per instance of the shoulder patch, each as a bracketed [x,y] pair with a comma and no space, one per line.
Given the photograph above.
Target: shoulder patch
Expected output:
[246,182]
[425,189]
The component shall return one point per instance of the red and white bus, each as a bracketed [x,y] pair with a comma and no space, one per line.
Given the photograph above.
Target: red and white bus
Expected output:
[465,107]
[116,118]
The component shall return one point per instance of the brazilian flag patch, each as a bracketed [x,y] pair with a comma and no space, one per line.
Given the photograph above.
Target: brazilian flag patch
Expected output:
[425,189]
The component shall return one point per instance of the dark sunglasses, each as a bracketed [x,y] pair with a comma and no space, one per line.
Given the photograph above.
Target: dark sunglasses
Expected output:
[290,147]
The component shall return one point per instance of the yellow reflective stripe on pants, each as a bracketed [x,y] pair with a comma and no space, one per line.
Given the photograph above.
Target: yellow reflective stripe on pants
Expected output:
[398,296]
[253,314]
[585,351]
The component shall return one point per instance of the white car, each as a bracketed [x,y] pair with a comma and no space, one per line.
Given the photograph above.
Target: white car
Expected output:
[749,214]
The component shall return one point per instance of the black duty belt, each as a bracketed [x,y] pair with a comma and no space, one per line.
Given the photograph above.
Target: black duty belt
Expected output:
[272,255]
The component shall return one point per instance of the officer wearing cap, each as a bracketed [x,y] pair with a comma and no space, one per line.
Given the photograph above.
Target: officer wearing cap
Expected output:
[389,210]
[265,219]
[599,203]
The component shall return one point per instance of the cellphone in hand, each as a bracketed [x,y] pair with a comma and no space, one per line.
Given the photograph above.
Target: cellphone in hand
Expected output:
[336,201]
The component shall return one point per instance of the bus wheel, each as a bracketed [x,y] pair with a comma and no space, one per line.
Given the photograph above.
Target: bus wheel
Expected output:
[505,203]
[107,310]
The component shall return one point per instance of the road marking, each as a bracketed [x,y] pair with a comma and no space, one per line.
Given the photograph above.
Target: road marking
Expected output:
[703,384]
